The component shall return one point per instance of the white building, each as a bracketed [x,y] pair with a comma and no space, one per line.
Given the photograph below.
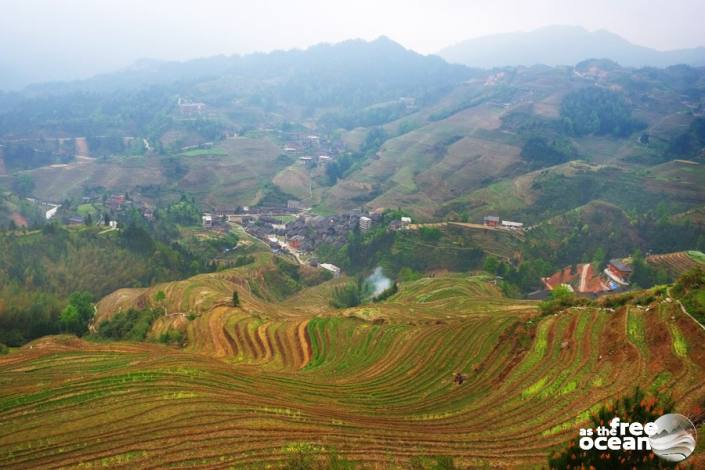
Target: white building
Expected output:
[405,222]
[332,268]
[365,223]
[207,220]
[512,225]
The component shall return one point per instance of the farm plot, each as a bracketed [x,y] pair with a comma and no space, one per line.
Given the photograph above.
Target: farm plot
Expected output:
[677,263]
[374,382]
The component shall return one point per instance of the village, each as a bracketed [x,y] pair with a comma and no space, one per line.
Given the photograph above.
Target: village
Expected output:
[295,230]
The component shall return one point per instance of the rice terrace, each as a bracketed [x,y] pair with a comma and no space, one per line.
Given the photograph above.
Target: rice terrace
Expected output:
[374,383]
[334,235]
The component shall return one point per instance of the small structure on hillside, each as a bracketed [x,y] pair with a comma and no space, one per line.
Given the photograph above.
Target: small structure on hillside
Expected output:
[188,108]
[293,204]
[296,241]
[207,221]
[512,225]
[618,271]
[365,223]
[581,278]
[331,268]
[491,220]
[405,222]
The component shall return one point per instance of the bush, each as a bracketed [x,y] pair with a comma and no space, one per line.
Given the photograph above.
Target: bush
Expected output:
[132,325]
[346,296]
[4,349]
[690,289]
[561,298]
[172,337]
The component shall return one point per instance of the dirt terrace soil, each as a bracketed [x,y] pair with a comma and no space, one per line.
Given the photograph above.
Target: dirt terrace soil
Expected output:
[374,382]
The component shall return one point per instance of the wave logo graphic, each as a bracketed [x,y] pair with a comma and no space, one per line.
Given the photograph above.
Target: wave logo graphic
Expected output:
[674,439]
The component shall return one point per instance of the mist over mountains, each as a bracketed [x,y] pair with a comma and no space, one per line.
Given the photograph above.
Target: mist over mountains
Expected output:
[563,45]
[551,45]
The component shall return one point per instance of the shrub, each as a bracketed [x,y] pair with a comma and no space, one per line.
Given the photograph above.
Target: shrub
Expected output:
[561,298]
[346,296]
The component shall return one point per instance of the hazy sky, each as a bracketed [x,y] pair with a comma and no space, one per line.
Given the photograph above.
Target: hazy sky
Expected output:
[62,39]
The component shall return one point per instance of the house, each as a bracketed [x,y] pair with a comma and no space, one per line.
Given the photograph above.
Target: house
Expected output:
[295,241]
[365,223]
[512,225]
[188,108]
[323,159]
[405,222]
[75,220]
[491,221]
[148,214]
[207,220]
[113,224]
[305,160]
[618,271]
[331,268]
[293,204]
[582,279]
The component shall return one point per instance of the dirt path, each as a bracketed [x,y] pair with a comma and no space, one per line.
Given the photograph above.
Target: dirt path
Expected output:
[583,277]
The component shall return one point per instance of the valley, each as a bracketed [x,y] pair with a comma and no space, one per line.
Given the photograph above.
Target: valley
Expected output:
[349,256]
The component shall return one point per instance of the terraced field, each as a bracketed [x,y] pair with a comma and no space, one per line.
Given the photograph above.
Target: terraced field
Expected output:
[677,263]
[374,382]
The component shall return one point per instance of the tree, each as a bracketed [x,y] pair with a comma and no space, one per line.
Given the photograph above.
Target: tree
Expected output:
[491,264]
[23,185]
[77,314]
[236,299]
[636,407]
[599,259]
[160,297]
[69,320]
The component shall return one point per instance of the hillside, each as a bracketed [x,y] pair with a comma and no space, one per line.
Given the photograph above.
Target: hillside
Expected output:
[258,380]
[416,133]
[563,45]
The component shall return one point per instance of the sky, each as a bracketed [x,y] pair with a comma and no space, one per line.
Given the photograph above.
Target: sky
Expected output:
[43,40]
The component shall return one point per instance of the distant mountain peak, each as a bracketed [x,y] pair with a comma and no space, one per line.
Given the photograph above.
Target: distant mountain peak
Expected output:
[563,45]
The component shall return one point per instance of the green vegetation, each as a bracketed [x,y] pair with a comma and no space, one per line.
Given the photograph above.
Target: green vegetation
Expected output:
[561,298]
[132,325]
[633,408]
[346,296]
[690,143]
[690,289]
[77,314]
[596,110]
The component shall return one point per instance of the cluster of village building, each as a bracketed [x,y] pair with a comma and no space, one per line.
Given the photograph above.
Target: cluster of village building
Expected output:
[584,279]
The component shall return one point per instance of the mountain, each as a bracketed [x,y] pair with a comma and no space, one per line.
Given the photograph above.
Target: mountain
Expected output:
[371,67]
[563,45]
